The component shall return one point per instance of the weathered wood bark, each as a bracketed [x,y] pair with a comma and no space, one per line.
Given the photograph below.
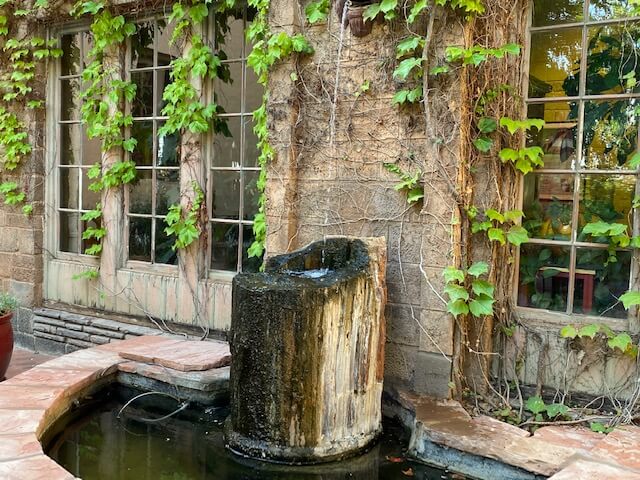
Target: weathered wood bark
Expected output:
[307,340]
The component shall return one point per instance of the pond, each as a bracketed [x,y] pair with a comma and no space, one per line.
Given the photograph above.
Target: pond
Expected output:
[94,444]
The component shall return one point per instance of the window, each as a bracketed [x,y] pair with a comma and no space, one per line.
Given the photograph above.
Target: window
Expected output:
[229,157]
[233,164]
[583,54]
[77,153]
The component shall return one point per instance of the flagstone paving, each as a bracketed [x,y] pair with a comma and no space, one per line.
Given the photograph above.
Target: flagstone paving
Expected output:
[32,401]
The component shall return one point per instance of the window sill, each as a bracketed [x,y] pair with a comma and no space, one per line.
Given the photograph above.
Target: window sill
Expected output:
[556,320]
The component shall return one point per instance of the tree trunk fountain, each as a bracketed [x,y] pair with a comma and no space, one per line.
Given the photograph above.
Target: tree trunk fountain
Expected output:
[307,342]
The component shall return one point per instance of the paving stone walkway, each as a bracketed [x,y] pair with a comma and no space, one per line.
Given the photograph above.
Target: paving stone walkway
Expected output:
[23,360]
[31,402]
[558,452]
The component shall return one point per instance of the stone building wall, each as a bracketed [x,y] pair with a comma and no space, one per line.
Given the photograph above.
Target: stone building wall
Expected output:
[329,179]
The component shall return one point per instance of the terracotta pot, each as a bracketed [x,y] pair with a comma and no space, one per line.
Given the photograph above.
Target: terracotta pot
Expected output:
[359,27]
[6,343]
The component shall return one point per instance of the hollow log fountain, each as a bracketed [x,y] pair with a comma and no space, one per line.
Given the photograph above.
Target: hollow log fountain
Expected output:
[307,342]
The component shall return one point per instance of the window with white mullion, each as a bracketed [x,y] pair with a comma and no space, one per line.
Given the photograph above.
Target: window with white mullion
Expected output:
[233,193]
[76,153]
[157,159]
[582,55]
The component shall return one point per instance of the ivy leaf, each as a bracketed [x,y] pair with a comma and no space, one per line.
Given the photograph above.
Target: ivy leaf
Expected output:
[513,215]
[496,235]
[405,67]
[600,428]
[589,330]
[487,125]
[634,162]
[569,331]
[457,308]
[456,292]
[408,45]
[452,274]
[477,269]
[602,229]
[415,194]
[557,409]
[416,10]
[494,215]
[481,306]
[400,97]
[483,144]
[630,299]
[517,235]
[317,11]
[481,226]
[621,341]
[482,287]
[535,405]
[512,48]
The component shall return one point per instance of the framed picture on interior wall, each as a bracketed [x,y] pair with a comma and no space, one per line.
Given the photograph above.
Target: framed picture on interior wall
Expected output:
[559,187]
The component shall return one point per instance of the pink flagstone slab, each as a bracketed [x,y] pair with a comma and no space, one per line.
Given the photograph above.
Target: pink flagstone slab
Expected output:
[144,342]
[621,447]
[588,470]
[38,467]
[13,447]
[15,422]
[182,355]
[580,438]
[23,397]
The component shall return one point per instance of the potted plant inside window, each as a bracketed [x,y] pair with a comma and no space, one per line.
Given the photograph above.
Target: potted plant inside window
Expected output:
[8,306]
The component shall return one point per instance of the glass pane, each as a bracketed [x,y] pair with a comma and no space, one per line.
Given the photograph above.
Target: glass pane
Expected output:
[251,150]
[88,243]
[142,105]
[251,194]
[555,63]
[605,198]
[91,150]
[554,12]
[70,61]
[71,103]
[249,264]
[168,190]
[164,79]
[166,51]
[558,137]
[89,198]
[143,132]
[69,188]
[168,149]
[224,247]
[70,144]
[612,54]
[226,149]
[229,94]
[164,245]
[230,37]
[140,193]
[610,133]
[606,9]
[253,91]
[548,206]
[600,280]
[142,46]
[544,277]
[140,239]
[69,235]
[226,195]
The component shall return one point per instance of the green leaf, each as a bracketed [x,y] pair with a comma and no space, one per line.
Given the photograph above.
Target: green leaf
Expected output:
[456,292]
[600,428]
[513,215]
[621,341]
[477,269]
[569,331]
[557,409]
[452,274]
[408,45]
[487,125]
[481,306]
[496,235]
[317,11]
[589,330]
[494,215]
[483,144]
[482,287]
[406,66]
[634,161]
[457,308]
[517,235]
[630,299]
[535,405]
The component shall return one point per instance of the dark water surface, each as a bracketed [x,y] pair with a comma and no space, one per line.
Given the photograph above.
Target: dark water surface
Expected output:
[96,445]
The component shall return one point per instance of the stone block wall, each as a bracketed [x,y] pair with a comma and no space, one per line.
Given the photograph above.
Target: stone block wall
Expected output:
[329,179]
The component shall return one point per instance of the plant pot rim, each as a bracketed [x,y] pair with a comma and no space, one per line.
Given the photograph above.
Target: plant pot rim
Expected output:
[4,318]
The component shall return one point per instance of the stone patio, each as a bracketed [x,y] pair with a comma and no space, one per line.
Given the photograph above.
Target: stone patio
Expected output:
[484,447]
[23,360]
[31,402]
